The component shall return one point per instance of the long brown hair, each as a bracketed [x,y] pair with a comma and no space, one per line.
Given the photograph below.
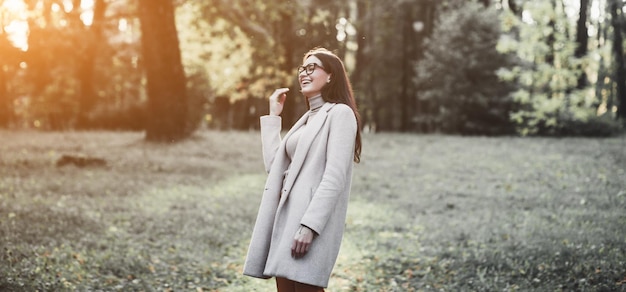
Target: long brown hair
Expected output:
[339,89]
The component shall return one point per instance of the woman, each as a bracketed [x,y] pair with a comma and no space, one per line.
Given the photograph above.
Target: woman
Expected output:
[302,215]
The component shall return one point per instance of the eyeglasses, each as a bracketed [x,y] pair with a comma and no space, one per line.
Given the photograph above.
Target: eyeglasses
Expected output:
[309,69]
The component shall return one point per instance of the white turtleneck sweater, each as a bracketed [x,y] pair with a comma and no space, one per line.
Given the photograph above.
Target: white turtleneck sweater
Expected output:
[315,103]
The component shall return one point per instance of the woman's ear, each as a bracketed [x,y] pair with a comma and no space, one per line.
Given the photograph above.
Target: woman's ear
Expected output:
[328,80]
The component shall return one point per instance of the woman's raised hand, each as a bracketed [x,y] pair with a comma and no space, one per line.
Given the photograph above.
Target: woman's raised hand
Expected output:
[277,101]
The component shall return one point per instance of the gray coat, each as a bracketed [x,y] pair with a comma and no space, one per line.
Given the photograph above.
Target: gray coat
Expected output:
[315,194]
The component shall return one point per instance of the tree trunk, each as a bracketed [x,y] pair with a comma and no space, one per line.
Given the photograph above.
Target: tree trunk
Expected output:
[513,6]
[582,39]
[551,39]
[9,57]
[407,95]
[360,74]
[618,52]
[166,88]
[5,105]
[423,109]
[290,112]
[87,98]
[362,41]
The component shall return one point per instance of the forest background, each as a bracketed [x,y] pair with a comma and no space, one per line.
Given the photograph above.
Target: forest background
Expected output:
[169,67]
[88,202]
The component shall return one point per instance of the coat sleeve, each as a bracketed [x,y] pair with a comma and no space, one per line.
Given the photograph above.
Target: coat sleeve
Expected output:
[339,159]
[270,138]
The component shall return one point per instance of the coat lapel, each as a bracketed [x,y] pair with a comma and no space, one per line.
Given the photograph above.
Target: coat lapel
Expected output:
[295,126]
[304,143]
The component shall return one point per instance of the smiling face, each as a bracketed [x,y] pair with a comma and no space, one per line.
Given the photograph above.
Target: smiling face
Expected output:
[311,84]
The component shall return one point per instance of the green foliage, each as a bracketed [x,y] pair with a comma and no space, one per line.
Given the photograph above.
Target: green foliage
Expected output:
[237,50]
[277,34]
[457,75]
[51,77]
[593,126]
[214,51]
[547,72]
[46,85]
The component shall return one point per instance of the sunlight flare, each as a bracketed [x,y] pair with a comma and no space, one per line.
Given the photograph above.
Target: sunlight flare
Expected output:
[14,5]
[17,27]
[17,31]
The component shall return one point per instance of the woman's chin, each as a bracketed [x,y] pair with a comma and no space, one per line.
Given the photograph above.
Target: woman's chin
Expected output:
[308,93]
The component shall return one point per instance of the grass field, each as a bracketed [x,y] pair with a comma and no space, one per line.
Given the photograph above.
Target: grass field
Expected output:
[427,213]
